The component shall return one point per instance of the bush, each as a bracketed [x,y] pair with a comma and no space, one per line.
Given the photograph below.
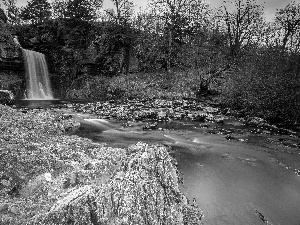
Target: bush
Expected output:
[265,84]
[92,88]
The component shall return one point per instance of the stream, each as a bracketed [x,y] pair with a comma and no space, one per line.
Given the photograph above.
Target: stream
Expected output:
[237,174]
[233,181]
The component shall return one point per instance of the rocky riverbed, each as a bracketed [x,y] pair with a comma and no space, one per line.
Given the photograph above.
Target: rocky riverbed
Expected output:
[51,177]
[237,170]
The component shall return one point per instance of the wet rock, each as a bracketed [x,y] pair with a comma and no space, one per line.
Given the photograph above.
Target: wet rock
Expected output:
[255,121]
[200,117]
[203,126]
[229,137]
[211,109]
[150,126]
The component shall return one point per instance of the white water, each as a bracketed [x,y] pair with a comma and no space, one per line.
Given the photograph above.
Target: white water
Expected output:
[38,83]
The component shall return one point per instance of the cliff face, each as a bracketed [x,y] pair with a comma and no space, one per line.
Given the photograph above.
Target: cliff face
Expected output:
[12,74]
[10,52]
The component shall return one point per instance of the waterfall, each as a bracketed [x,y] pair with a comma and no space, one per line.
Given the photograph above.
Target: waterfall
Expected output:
[37,75]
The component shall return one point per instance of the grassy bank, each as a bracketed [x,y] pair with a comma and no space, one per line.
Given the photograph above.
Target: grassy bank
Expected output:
[267,90]
[49,177]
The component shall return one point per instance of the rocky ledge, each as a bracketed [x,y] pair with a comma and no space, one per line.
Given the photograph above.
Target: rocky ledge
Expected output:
[50,177]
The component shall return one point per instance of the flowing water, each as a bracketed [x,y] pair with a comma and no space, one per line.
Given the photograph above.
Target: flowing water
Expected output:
[38,83]
[233,181]
[253,177]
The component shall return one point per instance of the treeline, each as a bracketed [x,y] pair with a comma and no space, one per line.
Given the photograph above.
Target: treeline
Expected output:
[257,60]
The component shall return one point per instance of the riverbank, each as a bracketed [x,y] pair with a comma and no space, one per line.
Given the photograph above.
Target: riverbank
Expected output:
[48,176]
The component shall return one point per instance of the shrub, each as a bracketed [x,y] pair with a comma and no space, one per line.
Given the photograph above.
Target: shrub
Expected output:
[265,84]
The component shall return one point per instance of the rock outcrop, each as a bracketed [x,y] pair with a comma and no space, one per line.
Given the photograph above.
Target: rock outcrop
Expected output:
[6,97]
[3,17]
[10,51]
[49,177]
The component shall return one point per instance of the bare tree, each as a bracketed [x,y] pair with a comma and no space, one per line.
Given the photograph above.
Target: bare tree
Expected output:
[176,17]
[122,12]
[243,24]
[289,19]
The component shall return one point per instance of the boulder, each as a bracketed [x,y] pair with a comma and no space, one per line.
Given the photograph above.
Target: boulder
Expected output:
[6,97]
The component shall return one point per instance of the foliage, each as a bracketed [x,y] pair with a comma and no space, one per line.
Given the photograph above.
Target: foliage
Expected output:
[122,13]
[12,11]
[11,81]
[89,88]
[36,11]
[187,49]
[289,19]
[153,85]
[76,9]
[176,23]
[243,25]
[269,89]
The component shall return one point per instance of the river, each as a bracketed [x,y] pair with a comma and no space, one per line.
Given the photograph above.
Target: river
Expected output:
[237,174]
[249,179]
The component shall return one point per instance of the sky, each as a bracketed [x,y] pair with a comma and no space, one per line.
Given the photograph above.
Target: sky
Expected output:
[269,5]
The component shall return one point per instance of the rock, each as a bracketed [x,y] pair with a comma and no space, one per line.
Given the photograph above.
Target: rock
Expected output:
[6,97]
[35,184]
[149,172]
[3,17]
[229,137]
[255,121]
[3,207]
[11,57]
[151,126]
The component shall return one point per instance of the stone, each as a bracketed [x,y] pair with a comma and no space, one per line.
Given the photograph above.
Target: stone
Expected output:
[11,57]
[3,17]
[6,97]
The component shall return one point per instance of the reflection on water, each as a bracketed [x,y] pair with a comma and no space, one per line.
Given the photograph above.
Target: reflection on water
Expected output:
[34,104]
[44,104]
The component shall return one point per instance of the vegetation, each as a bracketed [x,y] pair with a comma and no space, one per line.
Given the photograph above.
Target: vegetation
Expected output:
[95,53]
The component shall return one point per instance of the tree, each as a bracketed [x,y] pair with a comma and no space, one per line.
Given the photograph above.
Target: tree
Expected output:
[85,10]
[59,9]
[36,11]
[122,12]
[12,11]
[121,16]
[242,25]
[289,20]
[178,18]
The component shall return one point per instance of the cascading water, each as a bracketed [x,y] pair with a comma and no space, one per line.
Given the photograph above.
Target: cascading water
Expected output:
[38,83]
